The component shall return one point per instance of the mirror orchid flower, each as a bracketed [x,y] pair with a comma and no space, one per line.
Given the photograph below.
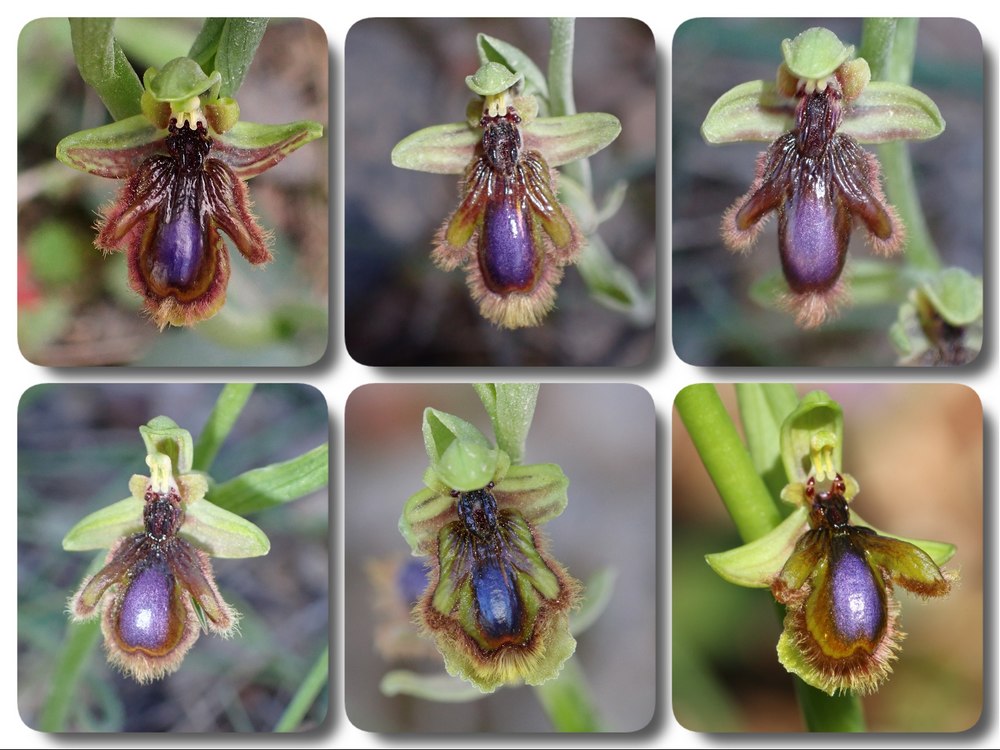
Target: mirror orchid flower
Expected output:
[510,232]
[815,175]
[184,160]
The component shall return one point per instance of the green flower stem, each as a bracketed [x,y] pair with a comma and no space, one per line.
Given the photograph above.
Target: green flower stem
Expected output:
[305,696]
[889,45]
[561,101]
[743,492]
[80,641]
[220,422]
[567,700]
[752,508]
[825,713]
[103,65]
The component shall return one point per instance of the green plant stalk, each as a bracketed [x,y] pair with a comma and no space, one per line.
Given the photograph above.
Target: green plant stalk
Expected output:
[226,411]
[567,701]
[752,508]
[80,640]
[305,696]
[889,46]
[103,65]
[730,467]
[561,101]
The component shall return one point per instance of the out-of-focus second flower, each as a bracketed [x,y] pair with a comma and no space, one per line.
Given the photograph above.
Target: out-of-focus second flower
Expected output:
[510,233]
[184,160]
[815,175]
[496,602]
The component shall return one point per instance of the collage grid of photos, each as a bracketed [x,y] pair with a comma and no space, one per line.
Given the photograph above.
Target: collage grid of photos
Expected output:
[274,518]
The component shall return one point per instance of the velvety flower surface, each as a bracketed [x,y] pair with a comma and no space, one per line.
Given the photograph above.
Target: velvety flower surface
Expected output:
[184,162]
[832,571]
[841,623]
[496,603]
[815,175]
[510,233]
[157,589]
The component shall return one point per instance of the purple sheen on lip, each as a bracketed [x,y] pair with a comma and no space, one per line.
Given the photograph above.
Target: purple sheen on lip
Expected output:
[497,601]
[507,253]
[178,249]
[858,609]
[813,234]
[144,620]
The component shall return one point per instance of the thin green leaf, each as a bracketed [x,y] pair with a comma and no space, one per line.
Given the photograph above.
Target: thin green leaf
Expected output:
[598,591]
[511,407]
[207,42]
[306,695]
[237,47]
[763,408]
[440,687]
[612,284]
[567,701]
[276,484]
[220,422]
[79,643]
[103,65]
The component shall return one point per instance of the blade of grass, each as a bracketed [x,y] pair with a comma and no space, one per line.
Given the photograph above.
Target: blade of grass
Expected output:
[276,484]
[306,695]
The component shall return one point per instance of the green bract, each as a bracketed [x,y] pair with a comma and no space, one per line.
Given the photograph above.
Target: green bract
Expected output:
[941,321]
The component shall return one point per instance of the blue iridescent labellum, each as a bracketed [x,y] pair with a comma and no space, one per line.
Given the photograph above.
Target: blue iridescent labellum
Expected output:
[147,588]
[497,604]
[841,627]
[510,232]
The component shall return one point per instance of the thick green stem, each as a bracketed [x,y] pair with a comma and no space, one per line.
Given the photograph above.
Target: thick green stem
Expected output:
[567,700]
[889,46]
[728,463]
[750,504]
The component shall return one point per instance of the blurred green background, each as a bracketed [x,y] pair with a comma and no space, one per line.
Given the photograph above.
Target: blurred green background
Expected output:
[74,306]
[917,452]
[604,438]
[715,321]
[78,445]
